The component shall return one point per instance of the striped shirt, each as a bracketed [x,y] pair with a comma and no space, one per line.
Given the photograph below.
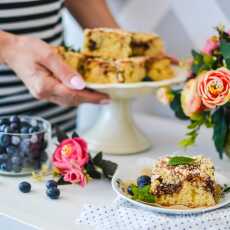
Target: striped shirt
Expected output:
[41,19]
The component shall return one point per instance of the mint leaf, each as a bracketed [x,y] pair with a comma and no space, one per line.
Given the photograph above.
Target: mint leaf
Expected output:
[220,130]
[180,160]
[143,194]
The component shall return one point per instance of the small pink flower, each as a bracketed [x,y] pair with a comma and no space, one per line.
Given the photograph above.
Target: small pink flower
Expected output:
[190,101]
[75,175]
[211,44]
[214,87]
[70,150]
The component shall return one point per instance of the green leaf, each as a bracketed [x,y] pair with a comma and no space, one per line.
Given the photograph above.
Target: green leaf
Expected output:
[92,171]
[75,134]
[175,105]
[143,194]
[108,168]
[220,130]
[180,160]
[61,136]
[98,158]
[225,50]
[198,62]
[226,188]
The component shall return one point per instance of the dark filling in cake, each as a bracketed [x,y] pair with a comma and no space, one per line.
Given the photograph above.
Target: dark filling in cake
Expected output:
[139,45]
[164,188]
[92,45]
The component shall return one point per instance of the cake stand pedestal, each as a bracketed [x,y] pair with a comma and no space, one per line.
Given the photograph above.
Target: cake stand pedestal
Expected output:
[115,131]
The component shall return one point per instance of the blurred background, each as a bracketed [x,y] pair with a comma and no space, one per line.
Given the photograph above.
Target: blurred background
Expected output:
[183,25]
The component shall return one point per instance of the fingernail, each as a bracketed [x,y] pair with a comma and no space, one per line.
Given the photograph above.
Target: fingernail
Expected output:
[105,101]
[77,82]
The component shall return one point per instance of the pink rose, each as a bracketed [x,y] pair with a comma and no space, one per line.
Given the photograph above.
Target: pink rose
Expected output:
[211,44]
[75,175]
[70,150]
[214,87]
[190,101]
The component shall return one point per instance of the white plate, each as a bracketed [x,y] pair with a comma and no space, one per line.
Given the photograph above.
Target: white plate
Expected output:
[180,76]
[133,172]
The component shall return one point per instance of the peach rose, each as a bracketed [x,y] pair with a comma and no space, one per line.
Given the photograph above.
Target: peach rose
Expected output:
[70,150]
[211,44]
[190,100]
[213,87]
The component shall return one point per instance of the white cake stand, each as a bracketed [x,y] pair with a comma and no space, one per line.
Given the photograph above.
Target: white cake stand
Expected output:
[115,132]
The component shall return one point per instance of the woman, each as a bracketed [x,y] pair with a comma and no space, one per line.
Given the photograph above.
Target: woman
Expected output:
[33,79]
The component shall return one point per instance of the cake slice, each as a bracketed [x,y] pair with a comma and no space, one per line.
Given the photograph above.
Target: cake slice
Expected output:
[106,43]
[73,59]
[146,44]
[131,69]
[190,183]
[120,71]
[159,69]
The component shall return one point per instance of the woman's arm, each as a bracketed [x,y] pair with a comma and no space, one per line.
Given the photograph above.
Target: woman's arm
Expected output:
[43,71]
[91,13]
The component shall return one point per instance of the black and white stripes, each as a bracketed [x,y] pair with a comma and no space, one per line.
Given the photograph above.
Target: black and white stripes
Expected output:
[41,19]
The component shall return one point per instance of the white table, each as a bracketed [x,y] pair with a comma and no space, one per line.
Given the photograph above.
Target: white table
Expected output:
[37,210]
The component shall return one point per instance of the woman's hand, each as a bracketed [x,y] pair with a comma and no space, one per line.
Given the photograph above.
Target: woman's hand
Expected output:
[44,73]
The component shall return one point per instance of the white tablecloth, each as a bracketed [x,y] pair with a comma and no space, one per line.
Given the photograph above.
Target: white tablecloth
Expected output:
[36,209]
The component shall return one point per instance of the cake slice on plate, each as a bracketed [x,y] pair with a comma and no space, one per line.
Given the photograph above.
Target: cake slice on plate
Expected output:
[188,181]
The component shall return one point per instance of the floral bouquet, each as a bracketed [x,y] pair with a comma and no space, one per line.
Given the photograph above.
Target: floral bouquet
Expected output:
[73,163]
[205,97]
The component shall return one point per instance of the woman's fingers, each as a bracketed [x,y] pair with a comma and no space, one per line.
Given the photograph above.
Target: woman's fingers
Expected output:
[62,71]
[65,96]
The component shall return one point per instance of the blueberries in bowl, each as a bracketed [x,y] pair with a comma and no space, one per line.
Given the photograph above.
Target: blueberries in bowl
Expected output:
[23,143]
[143,180]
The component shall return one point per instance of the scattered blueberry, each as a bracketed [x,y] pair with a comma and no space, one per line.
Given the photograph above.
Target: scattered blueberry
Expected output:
[129,190]
[14,127]
[51,184]
[53,193]
[143,180]
[24,187]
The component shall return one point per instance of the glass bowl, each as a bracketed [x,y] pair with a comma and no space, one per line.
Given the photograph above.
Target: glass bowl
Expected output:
[24,144]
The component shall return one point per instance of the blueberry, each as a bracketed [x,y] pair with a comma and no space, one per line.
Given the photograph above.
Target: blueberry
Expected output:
[51,184]
[12,150]
[2,150]
[3,166]
[24,130]
[143,180]
[53,193]
[14,119]
[4,140]
[4,121]
[34,129]
[129,190]
[14,127]
[24,187]
[3,157]
[16,160]
[9,166]
[15,140]
[8,129]
[17,168]
[2,127]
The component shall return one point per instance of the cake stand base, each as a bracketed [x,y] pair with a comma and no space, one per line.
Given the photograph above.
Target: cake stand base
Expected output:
[115,131]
